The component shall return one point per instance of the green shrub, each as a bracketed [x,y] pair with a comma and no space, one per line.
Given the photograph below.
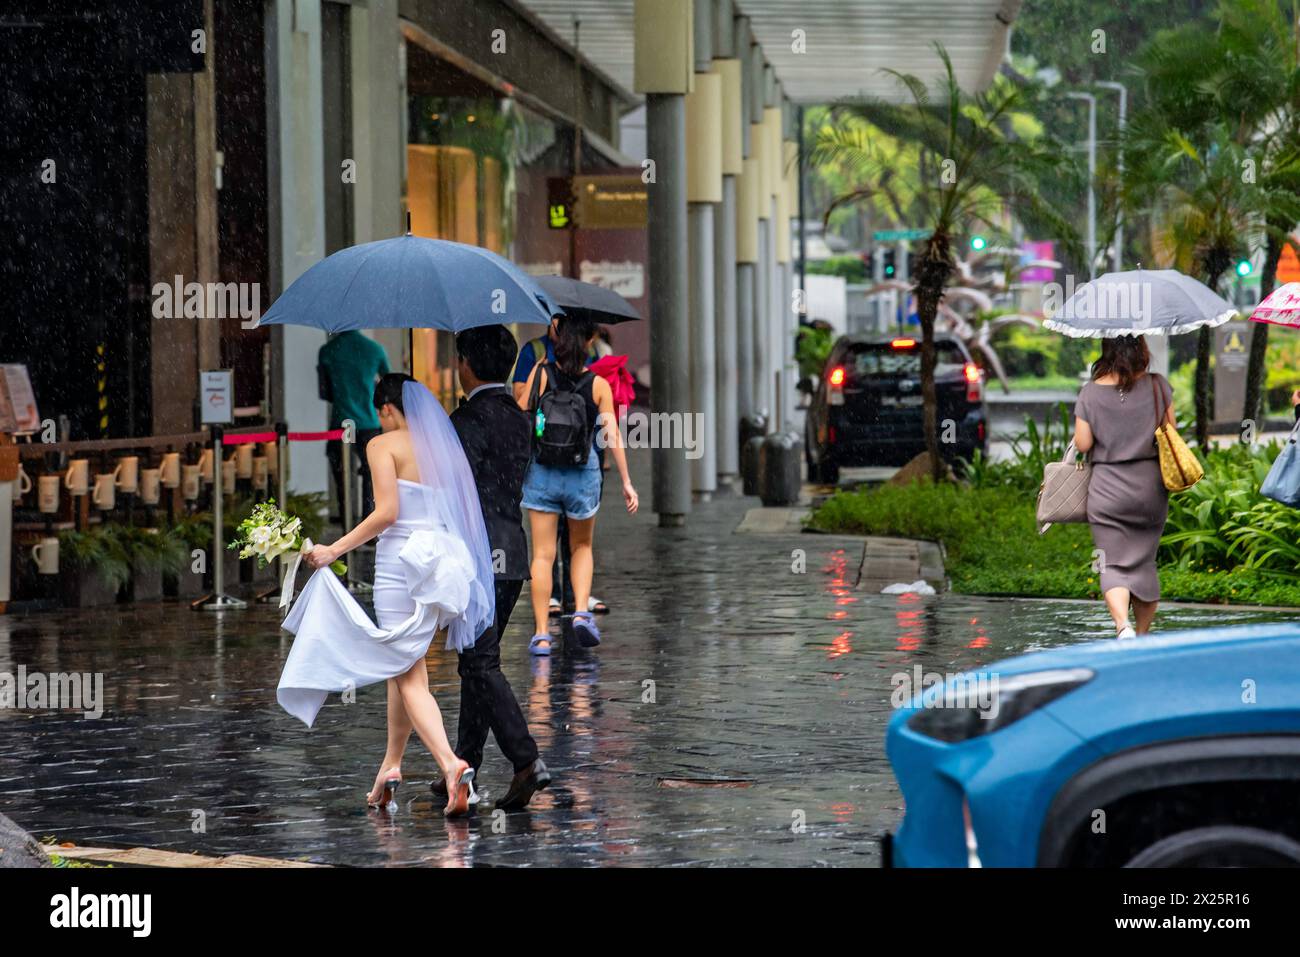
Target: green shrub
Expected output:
[851,268]
[1224,542]
[1030,453]
[812,349]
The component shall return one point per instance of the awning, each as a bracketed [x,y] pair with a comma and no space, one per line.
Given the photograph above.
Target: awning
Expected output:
[847,42]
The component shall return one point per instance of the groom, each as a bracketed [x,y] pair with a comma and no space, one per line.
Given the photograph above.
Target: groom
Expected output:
[496,436]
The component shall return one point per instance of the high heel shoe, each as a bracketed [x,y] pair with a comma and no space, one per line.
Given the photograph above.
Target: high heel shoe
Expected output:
[388,796]
[460,791]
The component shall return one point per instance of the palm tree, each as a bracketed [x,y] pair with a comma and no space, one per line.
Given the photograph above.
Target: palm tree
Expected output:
[1203,222]
[968,159]
[1239,83]
[1260,73]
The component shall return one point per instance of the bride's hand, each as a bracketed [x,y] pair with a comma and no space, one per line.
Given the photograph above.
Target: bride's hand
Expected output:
[321,555]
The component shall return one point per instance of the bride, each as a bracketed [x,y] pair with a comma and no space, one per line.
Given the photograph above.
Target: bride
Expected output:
[433,573]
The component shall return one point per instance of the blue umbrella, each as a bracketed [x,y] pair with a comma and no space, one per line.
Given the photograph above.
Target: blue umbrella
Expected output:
[411,283]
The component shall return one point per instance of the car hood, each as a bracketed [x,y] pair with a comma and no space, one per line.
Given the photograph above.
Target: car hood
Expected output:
[1109,654]
[1206,682]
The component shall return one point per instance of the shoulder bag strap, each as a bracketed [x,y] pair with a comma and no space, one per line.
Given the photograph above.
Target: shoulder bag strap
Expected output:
[537,388]
[1158,399]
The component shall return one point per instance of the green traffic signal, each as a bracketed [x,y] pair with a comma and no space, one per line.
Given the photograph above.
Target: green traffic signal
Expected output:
[978,242]
[1244,267]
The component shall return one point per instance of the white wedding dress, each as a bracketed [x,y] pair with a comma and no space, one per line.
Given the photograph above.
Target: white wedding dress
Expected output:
[432,572]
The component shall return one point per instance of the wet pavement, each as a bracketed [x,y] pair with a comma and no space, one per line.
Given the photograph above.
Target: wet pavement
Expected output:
[742,690]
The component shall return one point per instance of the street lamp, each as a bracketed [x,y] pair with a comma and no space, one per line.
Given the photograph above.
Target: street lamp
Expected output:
[1118,253]
[1092,174]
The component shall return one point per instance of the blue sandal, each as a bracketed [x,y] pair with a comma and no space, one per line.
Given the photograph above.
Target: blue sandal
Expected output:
[585,630]
[535,641]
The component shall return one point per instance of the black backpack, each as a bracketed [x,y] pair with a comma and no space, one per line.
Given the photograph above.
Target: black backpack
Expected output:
[561,431]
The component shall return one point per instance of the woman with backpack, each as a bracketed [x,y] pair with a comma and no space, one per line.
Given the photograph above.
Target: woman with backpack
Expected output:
[568,404]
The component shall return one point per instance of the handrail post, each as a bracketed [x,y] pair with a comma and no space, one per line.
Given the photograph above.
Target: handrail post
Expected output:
[218,600]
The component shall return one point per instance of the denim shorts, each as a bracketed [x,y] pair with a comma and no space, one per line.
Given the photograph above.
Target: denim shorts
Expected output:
[574,492]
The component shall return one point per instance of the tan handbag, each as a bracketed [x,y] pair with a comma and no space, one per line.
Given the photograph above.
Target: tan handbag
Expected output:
[1179,468]
[1063,496]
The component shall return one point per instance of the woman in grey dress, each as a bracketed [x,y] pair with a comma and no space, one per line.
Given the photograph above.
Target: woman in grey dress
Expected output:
[1115,419]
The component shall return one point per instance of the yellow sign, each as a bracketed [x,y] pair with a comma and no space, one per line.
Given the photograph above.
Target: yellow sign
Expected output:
[611,201]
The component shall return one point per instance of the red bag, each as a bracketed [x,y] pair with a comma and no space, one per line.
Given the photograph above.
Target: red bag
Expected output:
[613,369]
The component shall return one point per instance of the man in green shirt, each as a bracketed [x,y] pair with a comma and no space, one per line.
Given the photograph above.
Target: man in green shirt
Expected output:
[348,366]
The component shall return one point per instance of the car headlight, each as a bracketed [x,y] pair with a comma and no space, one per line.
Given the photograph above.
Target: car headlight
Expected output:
[974,704]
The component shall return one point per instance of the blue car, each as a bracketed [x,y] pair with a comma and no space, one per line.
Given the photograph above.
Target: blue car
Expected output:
[1174,751]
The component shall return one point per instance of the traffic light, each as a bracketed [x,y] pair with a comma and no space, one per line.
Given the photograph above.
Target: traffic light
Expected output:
[890,264]
[1244,267]
[978,242]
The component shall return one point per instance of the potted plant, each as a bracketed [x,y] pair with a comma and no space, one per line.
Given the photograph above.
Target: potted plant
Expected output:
[155,554]
[192,533]
[95,565]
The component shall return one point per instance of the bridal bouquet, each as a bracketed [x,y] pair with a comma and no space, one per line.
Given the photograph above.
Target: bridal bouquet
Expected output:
[268,533]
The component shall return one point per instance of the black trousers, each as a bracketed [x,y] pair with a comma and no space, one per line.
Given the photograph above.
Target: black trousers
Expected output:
[334,454]
[487,702]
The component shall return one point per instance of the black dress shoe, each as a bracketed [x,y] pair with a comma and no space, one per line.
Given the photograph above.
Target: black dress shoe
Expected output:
[524,785]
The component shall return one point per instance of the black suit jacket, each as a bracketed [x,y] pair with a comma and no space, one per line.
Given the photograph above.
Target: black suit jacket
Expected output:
[497,439]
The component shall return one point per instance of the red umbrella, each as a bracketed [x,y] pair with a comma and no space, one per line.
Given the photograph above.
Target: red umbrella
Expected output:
[1281,307]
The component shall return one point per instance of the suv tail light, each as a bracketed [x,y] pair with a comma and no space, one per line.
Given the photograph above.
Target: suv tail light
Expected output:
[974,383]
[835,383]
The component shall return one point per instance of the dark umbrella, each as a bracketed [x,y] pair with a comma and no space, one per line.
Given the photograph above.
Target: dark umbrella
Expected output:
[584,300]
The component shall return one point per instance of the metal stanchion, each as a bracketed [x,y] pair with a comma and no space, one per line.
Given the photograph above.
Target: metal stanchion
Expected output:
[218,600]
[346,517]
[281,465]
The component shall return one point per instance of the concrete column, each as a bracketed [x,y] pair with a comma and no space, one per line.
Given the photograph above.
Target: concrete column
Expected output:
[724,306]
[704,469]
[763,318]
[295,170]
[175,345]
[744,45]
[745,310]
[378,106]
[703,193]
[663,65]
[747,305]
[729,70]
[786,207]
[206,245]
[669,306]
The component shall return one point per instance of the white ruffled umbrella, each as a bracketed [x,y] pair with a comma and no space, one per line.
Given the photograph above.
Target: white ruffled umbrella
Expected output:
[1139,302]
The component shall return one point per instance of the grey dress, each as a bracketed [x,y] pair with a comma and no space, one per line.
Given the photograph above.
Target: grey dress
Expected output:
[1127,500]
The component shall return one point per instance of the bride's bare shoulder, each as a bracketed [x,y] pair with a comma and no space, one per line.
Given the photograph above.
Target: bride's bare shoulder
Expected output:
[388,443]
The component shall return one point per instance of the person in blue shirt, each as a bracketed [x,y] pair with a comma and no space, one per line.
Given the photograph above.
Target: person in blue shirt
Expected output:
[543,349]
[348,366]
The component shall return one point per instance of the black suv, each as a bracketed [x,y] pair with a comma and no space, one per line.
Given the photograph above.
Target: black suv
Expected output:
[867,409]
